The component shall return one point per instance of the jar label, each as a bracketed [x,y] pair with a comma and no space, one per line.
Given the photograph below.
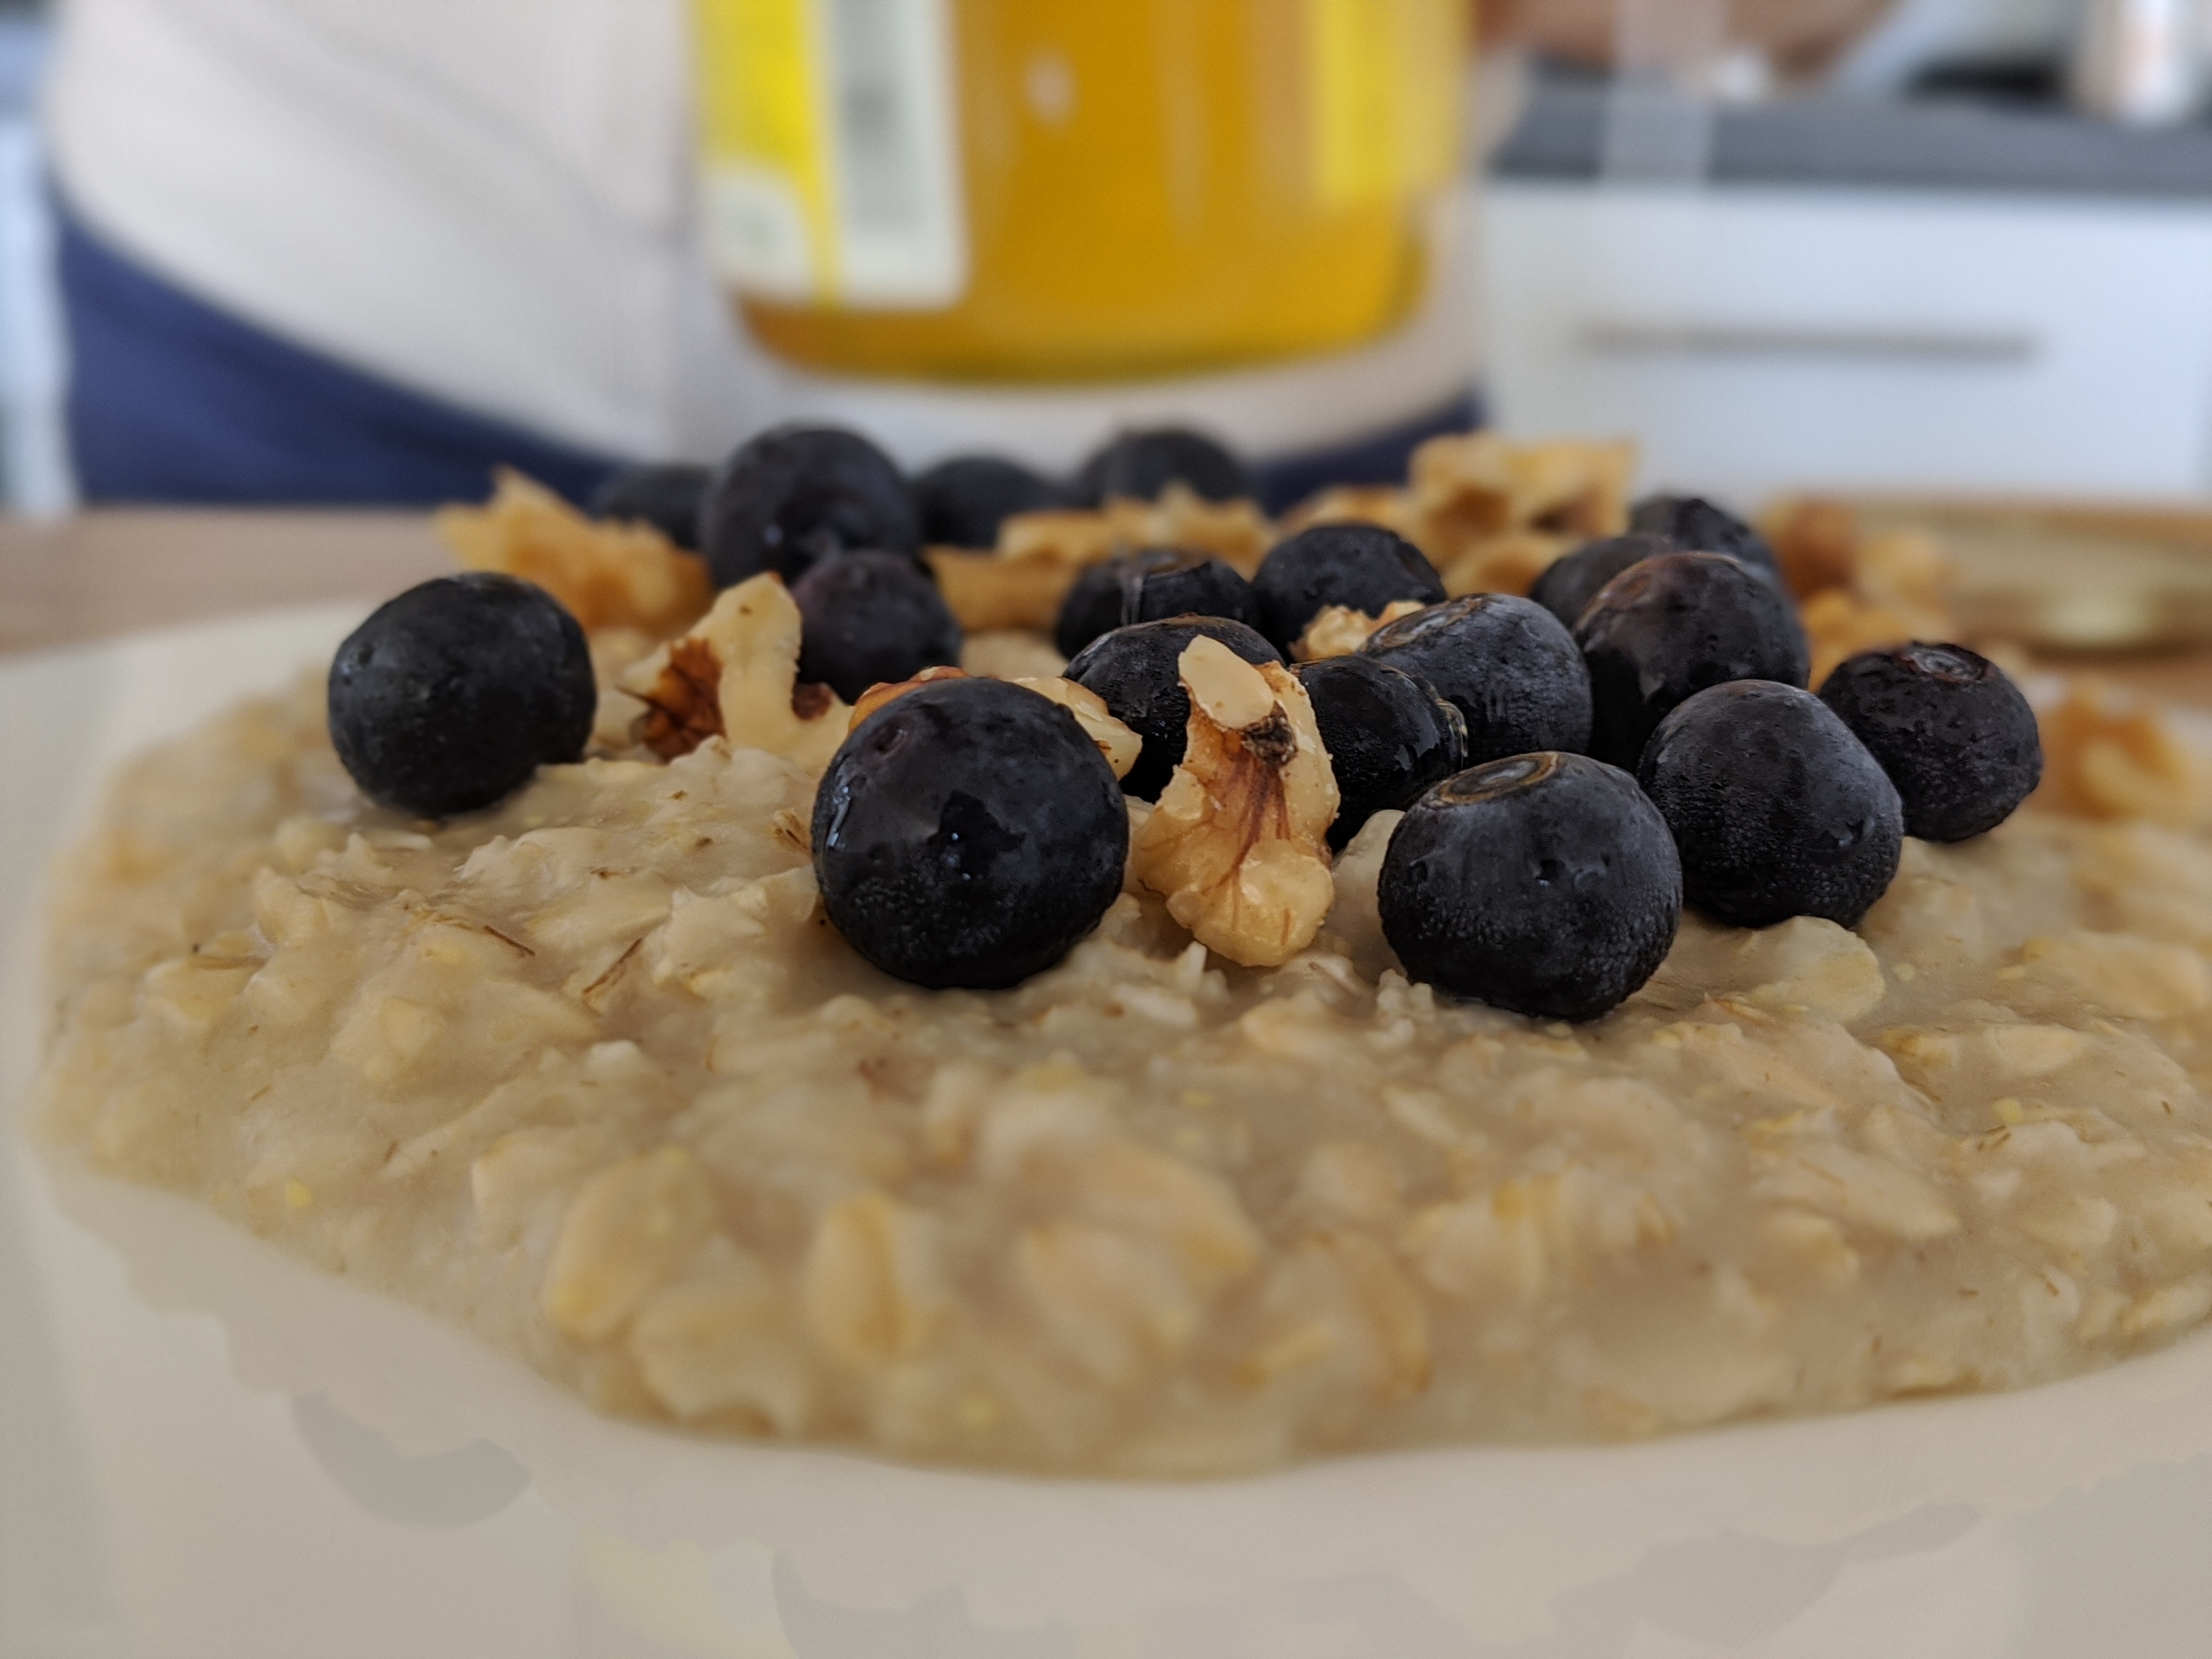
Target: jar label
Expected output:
[831,169]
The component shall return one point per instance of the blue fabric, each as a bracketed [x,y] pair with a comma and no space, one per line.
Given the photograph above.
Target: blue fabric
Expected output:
[173,400]
[1381,458]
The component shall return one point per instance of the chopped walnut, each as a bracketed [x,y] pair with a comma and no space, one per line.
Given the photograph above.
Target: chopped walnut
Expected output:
[1011,655]
[876,696]
[608,575]
[1475,487]
[1906,571]
[1861,592]
[1338,630]
[736,675]
[1116,742]
[1237,845]
[1024,581]
[2103,757]
[988,593]
[1817,543]
[1839,625]
[1383,504]
[1506,564]
[1074,539]
[1235,532]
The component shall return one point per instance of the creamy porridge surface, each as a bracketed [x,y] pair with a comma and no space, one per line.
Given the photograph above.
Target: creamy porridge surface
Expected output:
[591,1076]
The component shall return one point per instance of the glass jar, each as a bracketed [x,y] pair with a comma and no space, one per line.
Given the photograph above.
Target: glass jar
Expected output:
[1070,189]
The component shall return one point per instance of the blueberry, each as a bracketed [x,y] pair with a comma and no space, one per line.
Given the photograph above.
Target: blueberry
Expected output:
[963,502]
[1362,565]
[1954,734]
[1545,885]
[1566,589]
[798,493]
[448,698]
[967,835]
[1389,737]
[1667,629]
[665,497]
[870,619]
[1694,525]
[1140,465]
[1134,669]
[1146,587]
[1507,665]
[1776,809]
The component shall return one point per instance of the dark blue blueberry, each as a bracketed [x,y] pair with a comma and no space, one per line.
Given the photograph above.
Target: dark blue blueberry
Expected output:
[1545,885]
[1361,566]
[1954,734]
[1148,586]
[1694,525]
[1388,738]
[1566,589]
[872,619]
[1140,465]
[963,502]
[448,698]
[1776,809]
[1135,669]
[665,497]
[1507,664]
[1665,629]
[967,835]
[800,494]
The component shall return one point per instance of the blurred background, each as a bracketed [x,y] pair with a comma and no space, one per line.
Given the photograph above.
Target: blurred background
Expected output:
[318,252]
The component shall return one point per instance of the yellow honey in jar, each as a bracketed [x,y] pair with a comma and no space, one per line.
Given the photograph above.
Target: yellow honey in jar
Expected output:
[1057,189]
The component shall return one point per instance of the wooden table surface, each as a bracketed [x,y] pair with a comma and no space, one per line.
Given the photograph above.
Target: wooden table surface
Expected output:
[118,571]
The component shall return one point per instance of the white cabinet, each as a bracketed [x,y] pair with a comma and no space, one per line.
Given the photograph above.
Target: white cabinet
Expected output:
[1758,339]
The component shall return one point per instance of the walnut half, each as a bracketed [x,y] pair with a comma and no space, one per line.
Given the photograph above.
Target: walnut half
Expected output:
[1238,845]
[736,675]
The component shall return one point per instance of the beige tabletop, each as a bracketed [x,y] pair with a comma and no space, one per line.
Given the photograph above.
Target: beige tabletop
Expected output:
[114,572]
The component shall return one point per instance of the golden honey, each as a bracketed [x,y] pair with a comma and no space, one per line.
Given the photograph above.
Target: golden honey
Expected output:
[1055,189]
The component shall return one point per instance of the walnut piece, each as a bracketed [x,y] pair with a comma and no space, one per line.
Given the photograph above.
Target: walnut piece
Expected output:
[608,575]
[2105,759]
[1235,532]
[1816,541]
[1011,655]
[1861,592]
[1383,504]
[1506,564]
[735,674]
[1338,630]
[1024,581]
[1476,488]
[1116,742]
[1237,845]
[876,696]
[1839,625]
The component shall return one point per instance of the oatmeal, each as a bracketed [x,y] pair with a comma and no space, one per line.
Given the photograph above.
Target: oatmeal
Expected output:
[591,1076]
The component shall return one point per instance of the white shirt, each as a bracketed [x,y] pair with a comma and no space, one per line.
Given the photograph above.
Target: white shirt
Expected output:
[485,201]
[490,202]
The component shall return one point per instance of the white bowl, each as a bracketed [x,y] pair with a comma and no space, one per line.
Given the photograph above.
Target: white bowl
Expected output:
[209,1448]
